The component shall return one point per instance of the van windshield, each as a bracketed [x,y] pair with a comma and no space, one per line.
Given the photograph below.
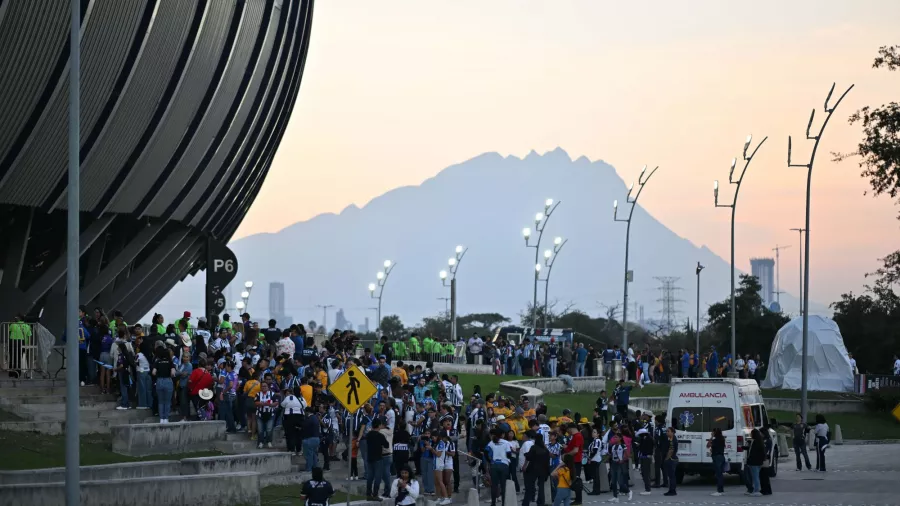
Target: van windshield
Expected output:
[699,419]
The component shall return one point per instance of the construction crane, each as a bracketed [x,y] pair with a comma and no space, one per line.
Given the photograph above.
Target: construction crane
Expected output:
[777,249]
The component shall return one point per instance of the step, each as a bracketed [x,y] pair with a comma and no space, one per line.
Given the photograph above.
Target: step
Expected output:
[60,405]
[83,399]
[31,383]
[57,427]
[27,391]
[117,416]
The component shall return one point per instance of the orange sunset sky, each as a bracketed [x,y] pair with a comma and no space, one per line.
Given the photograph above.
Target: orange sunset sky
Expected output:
[395,91]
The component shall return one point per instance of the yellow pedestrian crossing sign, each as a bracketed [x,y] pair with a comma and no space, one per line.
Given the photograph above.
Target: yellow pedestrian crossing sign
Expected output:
[896,412]
[352,389]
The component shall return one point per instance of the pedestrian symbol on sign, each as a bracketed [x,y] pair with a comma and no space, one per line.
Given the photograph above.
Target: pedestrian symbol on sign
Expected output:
[352,386]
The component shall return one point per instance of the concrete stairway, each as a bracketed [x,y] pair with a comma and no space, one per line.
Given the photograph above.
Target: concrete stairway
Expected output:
[41,406]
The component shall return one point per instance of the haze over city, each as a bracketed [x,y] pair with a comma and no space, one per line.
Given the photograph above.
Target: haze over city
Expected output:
[393,94]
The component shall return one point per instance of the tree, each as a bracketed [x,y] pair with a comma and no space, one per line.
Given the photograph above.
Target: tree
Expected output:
[552,314]
[869,324]
[392,327]
[756,325]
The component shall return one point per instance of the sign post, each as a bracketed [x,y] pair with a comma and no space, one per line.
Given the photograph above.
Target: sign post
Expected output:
[352,389]
[221,268]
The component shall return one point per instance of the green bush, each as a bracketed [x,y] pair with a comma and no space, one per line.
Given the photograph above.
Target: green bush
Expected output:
[882,400]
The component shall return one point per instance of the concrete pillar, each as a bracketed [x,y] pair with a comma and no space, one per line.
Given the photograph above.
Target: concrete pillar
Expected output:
[810,439]
[618,370]
[838,438]
[473,497]
[510,499]
[604,478]
[598,367]
[546,486]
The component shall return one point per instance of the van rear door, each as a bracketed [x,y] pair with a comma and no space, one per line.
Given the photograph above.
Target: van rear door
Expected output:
[718,413]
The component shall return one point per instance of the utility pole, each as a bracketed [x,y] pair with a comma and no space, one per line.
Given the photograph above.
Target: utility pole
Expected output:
[800,230]
[446,303]
[325,315]
[777,249]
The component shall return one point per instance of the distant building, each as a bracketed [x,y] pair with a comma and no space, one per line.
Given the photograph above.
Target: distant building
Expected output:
[764,270]
[276,302]
[340,322]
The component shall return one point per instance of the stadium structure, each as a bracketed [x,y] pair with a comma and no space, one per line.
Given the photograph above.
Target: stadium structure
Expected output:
[183,106]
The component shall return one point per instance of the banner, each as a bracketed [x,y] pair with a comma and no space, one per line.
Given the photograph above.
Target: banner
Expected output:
[221,268]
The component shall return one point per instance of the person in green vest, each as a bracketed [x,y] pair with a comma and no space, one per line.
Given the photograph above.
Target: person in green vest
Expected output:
[415,348]
[158,325]
[19,338]
[428,347]
[400,350]
[226,322]
[186,319]
[376,348]
[449,349]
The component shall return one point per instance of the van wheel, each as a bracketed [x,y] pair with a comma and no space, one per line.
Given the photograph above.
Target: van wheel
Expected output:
[774,468]
[679,476]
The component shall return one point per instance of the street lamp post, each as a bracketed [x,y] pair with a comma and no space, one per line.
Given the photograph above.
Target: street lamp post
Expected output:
[549,260]
[628,275]
[245,295]
[453,266]
[800,230]
[540,224]
[699,268]
[381,279]
[804,405]
[733,206]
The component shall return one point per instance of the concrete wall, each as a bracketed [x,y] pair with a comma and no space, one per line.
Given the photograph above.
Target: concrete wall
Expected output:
[533,389]
[142,439]
[441,367]
[661,404]
[127,471]
[233,488]
[264,463]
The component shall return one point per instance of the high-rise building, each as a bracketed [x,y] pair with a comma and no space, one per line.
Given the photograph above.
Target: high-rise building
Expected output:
[276,301]
[764,270]
[340,322]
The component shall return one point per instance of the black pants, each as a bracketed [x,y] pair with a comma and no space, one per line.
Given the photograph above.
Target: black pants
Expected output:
[324,445]
[456,472]
[592,474]
[670,466]
[577,474]
[499,475]
[602,415]
[800,447]
[765,486]
[532,481]
[646,464]
[514,472]
[292,432]
[401,458]
[820,453]
[658,457]
[622,410]
[82,364]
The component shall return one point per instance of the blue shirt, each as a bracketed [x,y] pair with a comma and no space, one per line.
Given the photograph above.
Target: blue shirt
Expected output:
[712,365]
[685,361]
[581,354]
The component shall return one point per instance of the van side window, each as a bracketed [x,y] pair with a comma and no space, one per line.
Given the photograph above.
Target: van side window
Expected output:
[765,416]
[718,418]
[757,415]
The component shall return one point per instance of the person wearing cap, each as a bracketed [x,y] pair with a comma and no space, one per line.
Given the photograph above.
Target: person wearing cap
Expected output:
[518,423]
[186,319]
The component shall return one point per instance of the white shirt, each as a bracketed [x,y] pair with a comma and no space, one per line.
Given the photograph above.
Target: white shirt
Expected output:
[297,404]
[525,447]
[285,345]
[544,430]
[412,489]
[390,418]
[739,364]
[499,451]
[630,355]
[897,367]
[853,365]
[751,365]
[142,364]
[475,345]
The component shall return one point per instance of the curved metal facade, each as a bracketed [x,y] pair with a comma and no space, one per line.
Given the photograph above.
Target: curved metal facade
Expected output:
[184,103]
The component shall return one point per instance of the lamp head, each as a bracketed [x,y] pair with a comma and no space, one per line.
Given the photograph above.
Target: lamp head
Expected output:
[443,275]
[615,204]
[733,165]
[240,305]
[699,268]
[526,232]
[248,285]
[548,204]
[459,249]
[451,262]
[245,294]
[557,241]
[538,217]
[548,254]
[642,172]
[387,264]
[380,275]
[537,267]
[371,287]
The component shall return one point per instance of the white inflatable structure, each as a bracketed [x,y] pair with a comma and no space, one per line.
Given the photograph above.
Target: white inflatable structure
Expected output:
[828,364]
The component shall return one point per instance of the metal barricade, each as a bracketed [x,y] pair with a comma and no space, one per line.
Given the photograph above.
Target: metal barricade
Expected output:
[18,349]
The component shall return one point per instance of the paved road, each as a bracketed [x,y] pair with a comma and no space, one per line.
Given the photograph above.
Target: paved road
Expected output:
[857,475]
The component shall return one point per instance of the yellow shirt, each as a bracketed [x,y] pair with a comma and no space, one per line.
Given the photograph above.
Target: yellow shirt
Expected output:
[564,419]
[529,413]
[565,479]
[518,425]
[251,388]
[400,373]
[306,391]
[322,376]
[502,411]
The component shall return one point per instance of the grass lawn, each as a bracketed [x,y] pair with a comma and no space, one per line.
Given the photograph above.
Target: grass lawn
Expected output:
[491,383]
[30,450]
[289,495]
[854,425]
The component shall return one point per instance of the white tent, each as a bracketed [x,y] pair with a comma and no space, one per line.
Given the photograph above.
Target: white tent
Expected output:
[828,364]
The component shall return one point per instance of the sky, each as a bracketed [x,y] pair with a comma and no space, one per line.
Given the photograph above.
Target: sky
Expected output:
[395,91]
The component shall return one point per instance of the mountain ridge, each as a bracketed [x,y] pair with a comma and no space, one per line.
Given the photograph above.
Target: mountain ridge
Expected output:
[483,203]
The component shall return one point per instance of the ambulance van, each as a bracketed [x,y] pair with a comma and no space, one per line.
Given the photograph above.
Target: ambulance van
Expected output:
[699,405]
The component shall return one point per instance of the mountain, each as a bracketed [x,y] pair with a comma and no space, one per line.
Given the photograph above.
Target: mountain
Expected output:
[482,203]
